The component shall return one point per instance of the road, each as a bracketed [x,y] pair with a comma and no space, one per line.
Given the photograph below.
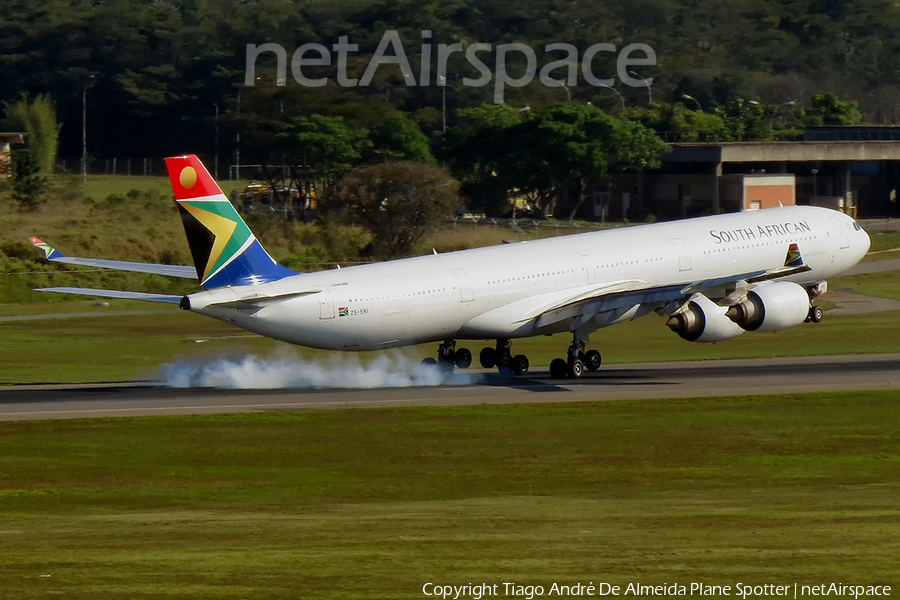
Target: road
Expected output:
[616,382]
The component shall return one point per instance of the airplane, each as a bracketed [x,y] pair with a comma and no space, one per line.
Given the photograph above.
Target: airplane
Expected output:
[714,277]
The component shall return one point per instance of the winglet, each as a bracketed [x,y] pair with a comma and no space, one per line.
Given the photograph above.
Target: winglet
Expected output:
[50,253]
[793,258]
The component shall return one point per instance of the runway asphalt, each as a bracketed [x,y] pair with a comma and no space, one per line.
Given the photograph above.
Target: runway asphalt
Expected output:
[615,382]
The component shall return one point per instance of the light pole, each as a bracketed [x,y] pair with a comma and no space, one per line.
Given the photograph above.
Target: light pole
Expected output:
[563,85]
[442,81]
[616,92]
[84,90]
[237,140]
[815,172]
[781,106]
[216,160]
[694,100]
[649,91]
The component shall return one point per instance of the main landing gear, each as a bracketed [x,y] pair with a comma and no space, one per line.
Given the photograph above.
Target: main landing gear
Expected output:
[576,362]
[449,357]
[502,358]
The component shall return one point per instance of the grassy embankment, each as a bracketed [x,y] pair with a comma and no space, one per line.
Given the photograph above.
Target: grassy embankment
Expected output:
[134,218]
[374,503]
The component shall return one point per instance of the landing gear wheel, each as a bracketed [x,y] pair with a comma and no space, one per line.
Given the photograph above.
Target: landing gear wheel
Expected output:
[520,364]
[446,367]
[488,358]
[816,314]
[447,357]
[576,369]
[429,362]
[592,360]
[463,358]
[504,357]
[558,368]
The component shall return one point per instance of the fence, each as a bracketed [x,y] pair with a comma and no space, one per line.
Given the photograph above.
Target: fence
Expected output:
[156,167]
[531,225]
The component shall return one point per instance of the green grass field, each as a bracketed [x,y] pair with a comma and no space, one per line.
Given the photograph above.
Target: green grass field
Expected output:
[375,503]
[372,504]
[120,348]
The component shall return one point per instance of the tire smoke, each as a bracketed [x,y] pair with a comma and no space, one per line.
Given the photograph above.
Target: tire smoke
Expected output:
[255,372]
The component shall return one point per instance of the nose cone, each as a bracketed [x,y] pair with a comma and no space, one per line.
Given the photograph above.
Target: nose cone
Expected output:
[860,244]
[861,241]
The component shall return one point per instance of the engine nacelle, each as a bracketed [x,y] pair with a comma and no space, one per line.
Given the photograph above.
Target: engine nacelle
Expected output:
[771,307]
[702,320]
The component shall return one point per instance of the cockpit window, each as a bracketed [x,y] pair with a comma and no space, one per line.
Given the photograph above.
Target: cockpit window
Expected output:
[856,226]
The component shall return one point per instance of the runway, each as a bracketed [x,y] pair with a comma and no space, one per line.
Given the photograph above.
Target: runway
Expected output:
[615,382]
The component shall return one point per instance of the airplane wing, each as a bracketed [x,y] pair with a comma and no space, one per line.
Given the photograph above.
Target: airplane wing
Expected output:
[620,297]
[54,255]
[114,294]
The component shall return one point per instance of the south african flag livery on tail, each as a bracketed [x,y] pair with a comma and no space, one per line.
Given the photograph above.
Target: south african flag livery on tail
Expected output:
[224,250]
[793,258]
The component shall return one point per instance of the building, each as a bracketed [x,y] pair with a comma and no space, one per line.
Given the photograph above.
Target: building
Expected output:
[6,141]
[859,176]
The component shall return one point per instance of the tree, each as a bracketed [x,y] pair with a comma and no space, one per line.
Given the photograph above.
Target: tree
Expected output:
[320,147]
[479,152]
[317,150]
[569,145]
[37,118]
[828,109]
[398,138]
[687,125]
[542,155]
[399,202]
[28,182]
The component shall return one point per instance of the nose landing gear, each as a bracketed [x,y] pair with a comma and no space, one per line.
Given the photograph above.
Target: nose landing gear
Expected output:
[816,314]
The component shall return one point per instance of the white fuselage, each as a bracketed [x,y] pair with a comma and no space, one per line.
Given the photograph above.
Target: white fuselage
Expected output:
[493,292]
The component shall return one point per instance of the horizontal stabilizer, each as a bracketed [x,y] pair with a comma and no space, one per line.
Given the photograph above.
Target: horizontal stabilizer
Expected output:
[114,294]
[54,255]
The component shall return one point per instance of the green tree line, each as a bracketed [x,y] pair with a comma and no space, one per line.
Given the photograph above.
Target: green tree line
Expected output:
[157,71]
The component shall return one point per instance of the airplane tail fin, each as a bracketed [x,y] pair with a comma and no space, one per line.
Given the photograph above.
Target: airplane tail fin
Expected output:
[224,250]
[793,258]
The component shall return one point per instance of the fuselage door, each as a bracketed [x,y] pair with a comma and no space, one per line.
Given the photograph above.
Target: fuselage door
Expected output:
[684,259]
[326,304]
[465,288]
[841,231]
[589,267]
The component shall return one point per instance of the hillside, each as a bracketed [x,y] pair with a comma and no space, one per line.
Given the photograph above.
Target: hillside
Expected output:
[163,69]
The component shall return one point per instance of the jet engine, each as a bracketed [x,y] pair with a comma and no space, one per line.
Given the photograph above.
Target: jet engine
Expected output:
[702,320]
[771,307]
